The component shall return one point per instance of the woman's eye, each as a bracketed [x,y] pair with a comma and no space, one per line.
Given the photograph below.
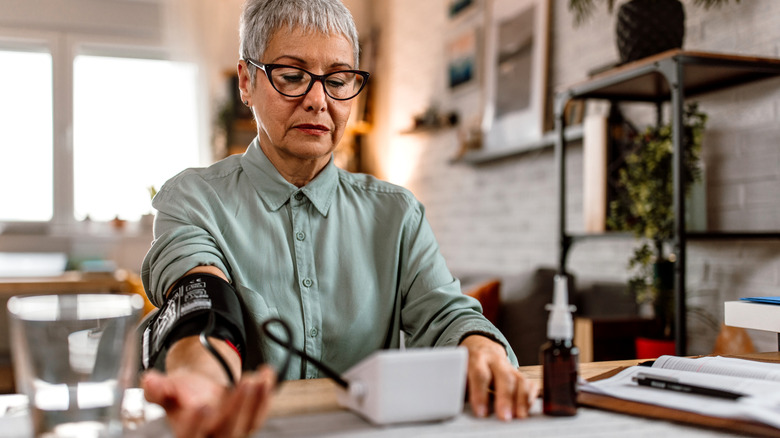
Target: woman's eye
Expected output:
[292,77]
[335,83]
[339,80]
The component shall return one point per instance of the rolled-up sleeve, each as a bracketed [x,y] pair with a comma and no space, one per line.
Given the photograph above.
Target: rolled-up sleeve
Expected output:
[182,239]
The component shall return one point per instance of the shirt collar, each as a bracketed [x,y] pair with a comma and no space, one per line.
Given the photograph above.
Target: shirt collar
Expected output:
[275,191]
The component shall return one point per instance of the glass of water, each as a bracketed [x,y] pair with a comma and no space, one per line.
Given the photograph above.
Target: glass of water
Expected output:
[74,356]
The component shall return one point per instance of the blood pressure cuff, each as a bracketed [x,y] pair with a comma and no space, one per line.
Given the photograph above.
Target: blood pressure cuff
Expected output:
[186,313]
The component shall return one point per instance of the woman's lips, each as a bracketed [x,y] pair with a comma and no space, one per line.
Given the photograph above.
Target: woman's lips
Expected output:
[313,129]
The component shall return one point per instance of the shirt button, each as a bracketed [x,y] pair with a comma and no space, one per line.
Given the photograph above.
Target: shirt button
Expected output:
[307,282]
[300,235]
[313,332]
[299,196]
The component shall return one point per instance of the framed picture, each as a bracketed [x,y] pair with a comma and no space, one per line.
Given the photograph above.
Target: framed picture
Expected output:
[458,7]
[463,58]
[516,47]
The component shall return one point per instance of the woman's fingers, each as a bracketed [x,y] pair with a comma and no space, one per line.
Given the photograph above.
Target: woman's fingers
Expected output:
[245,408]
[267,378]
[505,381]
[479,378]
[489,371]
[157,388]
[191,423]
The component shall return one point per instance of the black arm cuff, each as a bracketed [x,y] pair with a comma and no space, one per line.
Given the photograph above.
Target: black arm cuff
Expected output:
[186,312]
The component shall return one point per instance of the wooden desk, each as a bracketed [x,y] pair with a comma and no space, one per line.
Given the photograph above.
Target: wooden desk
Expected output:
[69,282]
[309,408]
[300,397]
[319,395]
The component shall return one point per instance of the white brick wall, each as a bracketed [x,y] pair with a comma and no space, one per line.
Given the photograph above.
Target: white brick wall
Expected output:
[501,217]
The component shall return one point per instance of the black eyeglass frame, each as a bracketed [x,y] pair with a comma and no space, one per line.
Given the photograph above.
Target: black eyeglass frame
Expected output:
[268,68]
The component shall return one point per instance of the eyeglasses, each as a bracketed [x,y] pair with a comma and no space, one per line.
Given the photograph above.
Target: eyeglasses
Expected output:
[295,82]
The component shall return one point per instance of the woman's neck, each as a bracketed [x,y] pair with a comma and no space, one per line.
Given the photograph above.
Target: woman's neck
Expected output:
[297,171]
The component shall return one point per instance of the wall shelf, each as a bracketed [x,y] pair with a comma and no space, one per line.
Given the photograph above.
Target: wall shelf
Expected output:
[691,235]
[733,235]
[607,235]
[670,76]
[547,141]
[426,129]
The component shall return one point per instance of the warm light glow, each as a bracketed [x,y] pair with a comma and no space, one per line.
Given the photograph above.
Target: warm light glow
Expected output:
[402,158]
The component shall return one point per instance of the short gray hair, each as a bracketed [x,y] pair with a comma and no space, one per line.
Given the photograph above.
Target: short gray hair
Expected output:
[261,18]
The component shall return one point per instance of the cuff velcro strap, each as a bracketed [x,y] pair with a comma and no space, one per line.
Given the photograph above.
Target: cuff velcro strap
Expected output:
[186,312]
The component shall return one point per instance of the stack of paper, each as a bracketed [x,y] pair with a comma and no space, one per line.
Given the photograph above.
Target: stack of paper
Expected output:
[759,383]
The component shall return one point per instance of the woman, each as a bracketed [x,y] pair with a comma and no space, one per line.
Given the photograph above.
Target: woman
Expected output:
[347,260]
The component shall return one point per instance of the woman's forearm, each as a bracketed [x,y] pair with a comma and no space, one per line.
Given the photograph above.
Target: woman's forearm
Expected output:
[188,354]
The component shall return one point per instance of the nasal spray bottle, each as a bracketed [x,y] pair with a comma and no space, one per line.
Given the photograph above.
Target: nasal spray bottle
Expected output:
[559,355]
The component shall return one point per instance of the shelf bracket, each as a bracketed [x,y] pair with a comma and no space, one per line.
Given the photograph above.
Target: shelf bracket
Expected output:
[560,164]
[672,70]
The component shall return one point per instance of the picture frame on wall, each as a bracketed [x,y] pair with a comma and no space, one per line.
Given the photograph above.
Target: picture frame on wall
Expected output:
[463,57]
[464,47]
[458,7]
[516,62]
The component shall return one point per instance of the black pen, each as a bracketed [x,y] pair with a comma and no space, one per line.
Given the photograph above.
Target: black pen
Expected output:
[672,384]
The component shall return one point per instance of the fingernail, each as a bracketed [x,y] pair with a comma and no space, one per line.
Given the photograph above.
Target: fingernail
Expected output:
[481,411]
[506,414]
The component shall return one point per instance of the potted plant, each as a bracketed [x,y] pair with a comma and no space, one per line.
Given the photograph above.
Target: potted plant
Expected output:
[644,27]
[644,206]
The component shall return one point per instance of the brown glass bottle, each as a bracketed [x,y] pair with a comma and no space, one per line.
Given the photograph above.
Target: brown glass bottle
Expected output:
[559,369]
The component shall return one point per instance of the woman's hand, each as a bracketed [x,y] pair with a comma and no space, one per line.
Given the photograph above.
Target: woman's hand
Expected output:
[488,366]
[195,392]
[197,406]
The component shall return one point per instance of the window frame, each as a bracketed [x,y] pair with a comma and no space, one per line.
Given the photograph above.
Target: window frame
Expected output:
[64,48]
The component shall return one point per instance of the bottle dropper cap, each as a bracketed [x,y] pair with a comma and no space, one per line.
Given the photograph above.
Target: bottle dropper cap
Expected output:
[559,324]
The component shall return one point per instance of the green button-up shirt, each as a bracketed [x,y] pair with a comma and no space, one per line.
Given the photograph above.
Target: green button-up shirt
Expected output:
[348,261]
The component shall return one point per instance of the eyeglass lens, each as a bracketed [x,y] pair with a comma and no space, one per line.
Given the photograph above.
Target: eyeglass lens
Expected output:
[295,82]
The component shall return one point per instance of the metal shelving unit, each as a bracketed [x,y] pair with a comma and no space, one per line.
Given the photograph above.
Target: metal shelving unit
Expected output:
[672,76]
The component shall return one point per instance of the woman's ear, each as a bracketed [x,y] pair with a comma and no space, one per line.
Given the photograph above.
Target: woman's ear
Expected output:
[244,83]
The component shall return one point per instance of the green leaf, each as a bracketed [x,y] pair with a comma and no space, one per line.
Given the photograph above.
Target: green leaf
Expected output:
[644,202]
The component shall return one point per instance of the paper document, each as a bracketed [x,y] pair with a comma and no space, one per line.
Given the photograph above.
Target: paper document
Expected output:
[725,366]
[759,382]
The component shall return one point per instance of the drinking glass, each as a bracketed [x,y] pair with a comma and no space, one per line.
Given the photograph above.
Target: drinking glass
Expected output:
[74,356]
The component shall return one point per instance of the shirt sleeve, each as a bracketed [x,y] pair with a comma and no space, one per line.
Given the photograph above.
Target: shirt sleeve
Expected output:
[182,239]
[435,311]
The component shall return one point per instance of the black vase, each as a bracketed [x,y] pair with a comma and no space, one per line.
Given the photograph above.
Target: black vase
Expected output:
[647,27]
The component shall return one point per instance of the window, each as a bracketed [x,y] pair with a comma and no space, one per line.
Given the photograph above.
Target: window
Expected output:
[135,123]
[26,139]
[134,126]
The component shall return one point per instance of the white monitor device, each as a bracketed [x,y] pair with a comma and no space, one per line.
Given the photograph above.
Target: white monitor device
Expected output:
[403,386]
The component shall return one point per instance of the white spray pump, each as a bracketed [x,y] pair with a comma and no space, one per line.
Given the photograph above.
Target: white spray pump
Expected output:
[559,324]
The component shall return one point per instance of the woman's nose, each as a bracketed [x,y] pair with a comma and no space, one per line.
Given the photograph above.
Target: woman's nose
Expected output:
[316,99]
